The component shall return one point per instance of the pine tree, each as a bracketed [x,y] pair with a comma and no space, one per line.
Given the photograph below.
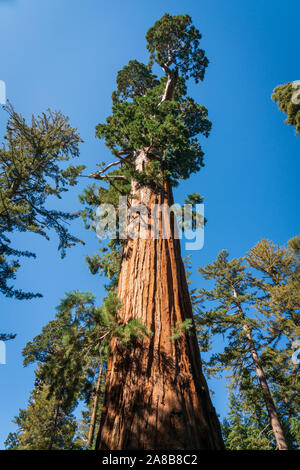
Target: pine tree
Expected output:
[246,427]
[156,395]
[67,355]
[279,305]
[280,283]
[234,296]
[46,424]
[31,172]
[71,357]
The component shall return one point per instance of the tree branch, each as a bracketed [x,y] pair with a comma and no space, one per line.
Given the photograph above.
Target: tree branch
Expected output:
[97,176]
[105,169]
[170,85]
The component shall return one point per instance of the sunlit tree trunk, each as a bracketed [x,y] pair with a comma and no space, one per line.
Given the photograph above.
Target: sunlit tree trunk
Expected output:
[156,396]
[270,405]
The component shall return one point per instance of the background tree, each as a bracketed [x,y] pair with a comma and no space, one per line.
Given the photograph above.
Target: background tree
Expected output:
[31,172]
[46,424]
[279,306]
[258,321]
[246,427]
[67,354]
[280,283]
[71,357]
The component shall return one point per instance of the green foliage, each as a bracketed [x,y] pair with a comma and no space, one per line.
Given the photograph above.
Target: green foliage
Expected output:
[12,441]
[192,291]
[171,128]
[248,418]
[31,172]
[282,95]
[242,430]
[107,262]
[185,327]
[69,352]
[173,40]
[263,303]
[280,285]
[155,113]
[84,423]
[6,336]
[135,79]
[45,425]
[133,330]
[69,347]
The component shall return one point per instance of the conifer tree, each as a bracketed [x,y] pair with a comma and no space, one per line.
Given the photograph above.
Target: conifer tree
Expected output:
[46,424]
[71,357]
[278,269]
[31,172]
[67,354]
[246,426]
[156,395]
[234,296]
[280,283]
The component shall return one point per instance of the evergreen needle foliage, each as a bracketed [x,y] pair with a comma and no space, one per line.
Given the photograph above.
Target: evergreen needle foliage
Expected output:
[256,312]
[68,353]
[31,172]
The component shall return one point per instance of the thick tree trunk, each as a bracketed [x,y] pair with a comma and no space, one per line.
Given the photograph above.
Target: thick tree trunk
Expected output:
[94,409]
[270,405]
[156,396]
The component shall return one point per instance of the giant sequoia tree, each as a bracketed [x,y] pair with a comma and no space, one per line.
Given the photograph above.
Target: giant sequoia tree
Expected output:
[156,395]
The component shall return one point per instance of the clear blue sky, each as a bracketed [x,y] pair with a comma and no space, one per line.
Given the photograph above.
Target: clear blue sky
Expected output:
[64,54]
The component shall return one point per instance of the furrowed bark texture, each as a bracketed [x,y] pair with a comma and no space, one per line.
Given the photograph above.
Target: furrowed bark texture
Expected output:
[156,395]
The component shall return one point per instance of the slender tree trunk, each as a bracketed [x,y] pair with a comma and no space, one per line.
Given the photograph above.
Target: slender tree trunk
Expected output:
[272,412]
[274,420]
[156,396]
[94,409]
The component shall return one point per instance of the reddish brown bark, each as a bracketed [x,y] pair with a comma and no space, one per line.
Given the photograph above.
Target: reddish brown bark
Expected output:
[156,396]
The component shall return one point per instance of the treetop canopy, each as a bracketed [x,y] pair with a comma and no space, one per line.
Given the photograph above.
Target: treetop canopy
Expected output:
[154,113]
[174,41]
